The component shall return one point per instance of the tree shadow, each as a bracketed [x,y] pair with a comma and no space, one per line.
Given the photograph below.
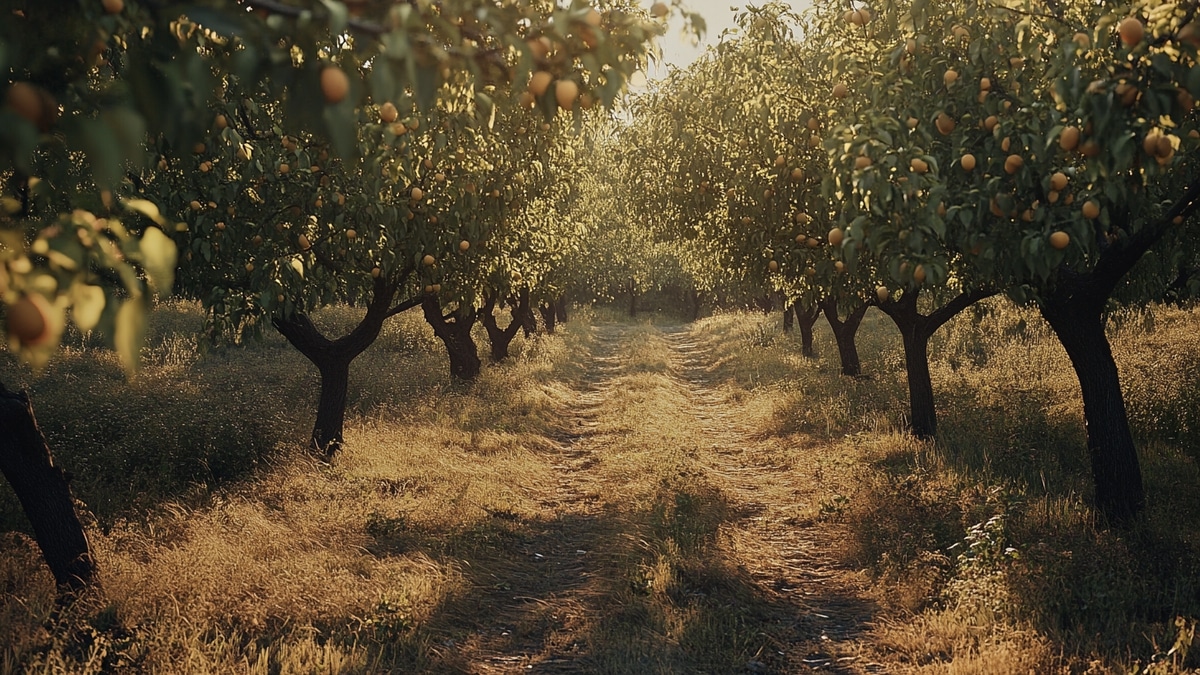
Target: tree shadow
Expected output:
[619,590]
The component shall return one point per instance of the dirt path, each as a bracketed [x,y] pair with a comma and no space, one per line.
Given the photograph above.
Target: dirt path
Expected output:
[804,570]
[544,599]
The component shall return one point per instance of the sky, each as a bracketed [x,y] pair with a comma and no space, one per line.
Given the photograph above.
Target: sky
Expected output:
[678,49]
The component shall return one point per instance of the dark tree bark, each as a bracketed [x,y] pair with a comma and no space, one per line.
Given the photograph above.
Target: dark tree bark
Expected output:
[1078,321]
[695,297]
[789,316]
[454,330]
[844,332]
[631,288]
[333,357]
[916,329]
[766,303]
[528,317]
[806,318]
[549,317]
[1074,307]
[498,337]
[44,493]
[560,309]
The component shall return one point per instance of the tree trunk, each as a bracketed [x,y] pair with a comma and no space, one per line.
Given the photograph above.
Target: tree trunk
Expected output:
[500,338]
[915,330]
[789,317]
[806,319]
[844,333]
[632,288]
[454,330]
[528,317]
[765,303]
[1079,324]
[549,318]
[333,358]
[560,309]
[695,297]
[44,493]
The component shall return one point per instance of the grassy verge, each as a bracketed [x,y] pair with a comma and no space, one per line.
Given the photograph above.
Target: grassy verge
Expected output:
[983,547]
[619,497]
[223,548]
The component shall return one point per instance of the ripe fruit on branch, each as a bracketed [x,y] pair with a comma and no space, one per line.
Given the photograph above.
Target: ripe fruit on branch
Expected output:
[1131,31]
[539,83]
[1059,240]
[950,77]
[858,17]
[882,293]
[113,6]
[335,85]
[428,260]
[1069,139]
[659,10]
[388,113]
[1058,182]
[464,245]
[919,274]
[862,162]
[918,165]
[417,194]
[565,92]
[968,162]
[28,319]
[1091,210]
[773,266]
[1013,164]
[840,90]
[944,123]
[836,236]
[304,243]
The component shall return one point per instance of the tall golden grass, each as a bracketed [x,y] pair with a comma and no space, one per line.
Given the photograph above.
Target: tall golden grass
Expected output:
[619,497]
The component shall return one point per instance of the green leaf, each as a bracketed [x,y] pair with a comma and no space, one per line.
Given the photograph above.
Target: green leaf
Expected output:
[146,208]
[87,306]
[339,16]
[159,257]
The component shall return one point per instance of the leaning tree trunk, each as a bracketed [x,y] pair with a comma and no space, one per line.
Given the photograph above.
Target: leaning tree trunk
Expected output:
[805,320]
[454,330]
[789,317]
[549,317]
[1078,321]
[333,358]
[916,329]
[44,493]
[500,338]
[844,332]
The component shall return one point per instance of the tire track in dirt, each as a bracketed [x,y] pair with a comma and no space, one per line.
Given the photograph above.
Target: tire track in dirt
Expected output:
[803,569]
[547,593]
[550,587]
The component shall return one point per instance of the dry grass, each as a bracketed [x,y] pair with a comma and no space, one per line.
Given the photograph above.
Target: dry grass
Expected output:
[619,498]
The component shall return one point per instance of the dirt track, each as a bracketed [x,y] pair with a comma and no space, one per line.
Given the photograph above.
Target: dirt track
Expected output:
[544,604]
